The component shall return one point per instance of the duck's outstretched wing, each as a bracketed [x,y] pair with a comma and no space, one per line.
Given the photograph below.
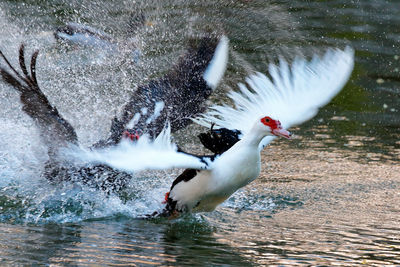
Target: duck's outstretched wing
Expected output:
[54,128]
[177,96]
[292,95]
[144,154]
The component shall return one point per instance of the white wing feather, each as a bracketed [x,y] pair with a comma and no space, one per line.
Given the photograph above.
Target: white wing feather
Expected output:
[217,66]
[293,95]
[145,154]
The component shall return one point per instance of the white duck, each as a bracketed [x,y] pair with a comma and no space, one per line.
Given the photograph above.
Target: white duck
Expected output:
[293,96]
[203,190]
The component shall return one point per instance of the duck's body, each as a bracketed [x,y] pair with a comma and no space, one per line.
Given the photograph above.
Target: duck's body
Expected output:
[238,166]
[234,169]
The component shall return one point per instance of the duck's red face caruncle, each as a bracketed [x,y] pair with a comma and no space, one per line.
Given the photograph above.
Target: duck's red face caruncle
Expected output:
[276,127]
[130,135]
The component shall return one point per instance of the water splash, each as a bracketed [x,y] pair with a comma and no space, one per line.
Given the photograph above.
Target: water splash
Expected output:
[42,203]
[88,87]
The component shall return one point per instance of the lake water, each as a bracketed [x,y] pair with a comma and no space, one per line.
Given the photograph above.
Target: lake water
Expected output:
[330,196]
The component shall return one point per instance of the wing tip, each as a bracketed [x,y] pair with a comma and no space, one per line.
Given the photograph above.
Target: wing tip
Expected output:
[217,66]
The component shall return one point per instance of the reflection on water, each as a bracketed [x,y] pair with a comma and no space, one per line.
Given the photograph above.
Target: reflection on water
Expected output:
[345,211]
[328,197]
[369,147]
[118,242]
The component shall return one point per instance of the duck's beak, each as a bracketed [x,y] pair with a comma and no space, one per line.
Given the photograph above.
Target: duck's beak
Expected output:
[282,132]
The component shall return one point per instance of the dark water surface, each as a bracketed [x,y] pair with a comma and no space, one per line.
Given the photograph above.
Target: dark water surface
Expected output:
[329,197]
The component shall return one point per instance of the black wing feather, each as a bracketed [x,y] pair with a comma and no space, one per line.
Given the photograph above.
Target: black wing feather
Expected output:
[22,60]
[54,128]
[219,140]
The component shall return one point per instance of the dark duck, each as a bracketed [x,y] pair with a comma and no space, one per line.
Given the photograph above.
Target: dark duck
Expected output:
[177,97]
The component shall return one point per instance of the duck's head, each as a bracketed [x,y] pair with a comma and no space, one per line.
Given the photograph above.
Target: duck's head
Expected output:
[79,34]
[268,126]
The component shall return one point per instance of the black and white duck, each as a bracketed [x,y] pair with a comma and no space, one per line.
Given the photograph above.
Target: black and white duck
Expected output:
[292,96]
[195,76]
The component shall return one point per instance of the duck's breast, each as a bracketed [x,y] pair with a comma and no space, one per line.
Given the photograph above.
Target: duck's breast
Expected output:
[235,171]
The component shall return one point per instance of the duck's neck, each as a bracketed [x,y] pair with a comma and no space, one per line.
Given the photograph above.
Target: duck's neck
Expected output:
[252,139]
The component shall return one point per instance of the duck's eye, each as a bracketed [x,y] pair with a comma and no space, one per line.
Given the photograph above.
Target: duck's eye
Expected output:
[68,31]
